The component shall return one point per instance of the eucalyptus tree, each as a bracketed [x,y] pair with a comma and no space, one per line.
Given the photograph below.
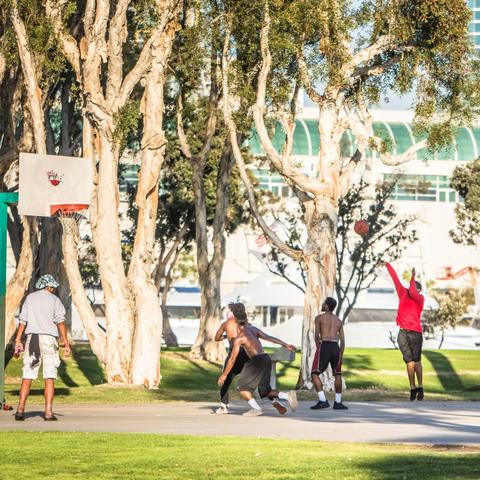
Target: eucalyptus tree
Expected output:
[118,52]
[346,56]
[204,143]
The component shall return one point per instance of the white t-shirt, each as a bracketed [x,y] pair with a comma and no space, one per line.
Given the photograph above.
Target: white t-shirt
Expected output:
[41,312]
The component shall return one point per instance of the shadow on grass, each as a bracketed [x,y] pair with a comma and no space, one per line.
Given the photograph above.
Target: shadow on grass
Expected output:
[39,391]
[66,378]
[357,362]
[444,369]
[88,364]
[421,465]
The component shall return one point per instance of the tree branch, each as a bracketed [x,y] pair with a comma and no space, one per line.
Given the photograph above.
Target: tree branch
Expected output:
[68,44]
[232,128]
[116,38]
[281,163]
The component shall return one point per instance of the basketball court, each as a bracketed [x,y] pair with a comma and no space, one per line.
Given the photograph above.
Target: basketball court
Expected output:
[452,423]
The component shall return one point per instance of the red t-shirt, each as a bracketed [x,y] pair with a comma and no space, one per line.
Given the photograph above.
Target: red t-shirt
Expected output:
[410,303]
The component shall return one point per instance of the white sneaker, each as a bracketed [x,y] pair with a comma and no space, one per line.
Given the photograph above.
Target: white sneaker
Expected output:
[292,400]
[253,412]
[223,410]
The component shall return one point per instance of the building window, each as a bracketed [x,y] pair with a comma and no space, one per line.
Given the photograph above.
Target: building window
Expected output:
[423,188]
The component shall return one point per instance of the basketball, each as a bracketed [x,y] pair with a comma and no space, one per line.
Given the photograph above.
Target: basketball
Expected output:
[361,227]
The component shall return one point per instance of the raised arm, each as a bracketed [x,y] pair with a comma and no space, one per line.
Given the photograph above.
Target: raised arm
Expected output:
[271,339]
[412,291]
[220,332]
[393,274]
[231,361]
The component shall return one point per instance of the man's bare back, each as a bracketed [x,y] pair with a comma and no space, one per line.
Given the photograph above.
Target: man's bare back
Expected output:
[329,326]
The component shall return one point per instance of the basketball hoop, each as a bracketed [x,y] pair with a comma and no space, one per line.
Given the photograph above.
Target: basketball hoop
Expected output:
[69,215]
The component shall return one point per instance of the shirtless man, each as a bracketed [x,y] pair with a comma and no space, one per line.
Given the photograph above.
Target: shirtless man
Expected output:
[328,333]
[257,370]
[229,329]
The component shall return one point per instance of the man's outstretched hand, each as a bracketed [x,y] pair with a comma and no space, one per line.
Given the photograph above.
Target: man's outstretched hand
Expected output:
[290,347]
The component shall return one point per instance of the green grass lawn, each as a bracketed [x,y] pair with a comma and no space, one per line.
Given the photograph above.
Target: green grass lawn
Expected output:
[119,456]
[371,374]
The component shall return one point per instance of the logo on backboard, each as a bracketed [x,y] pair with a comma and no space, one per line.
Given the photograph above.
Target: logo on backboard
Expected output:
[54,178]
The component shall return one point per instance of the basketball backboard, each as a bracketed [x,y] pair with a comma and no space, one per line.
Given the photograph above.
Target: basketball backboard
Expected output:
[49,180]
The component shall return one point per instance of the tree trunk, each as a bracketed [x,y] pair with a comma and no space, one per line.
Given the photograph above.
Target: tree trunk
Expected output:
[119,301]
[18,284]
[70,262]
[205,346]
[168,334]
[210,271]
[441,340]
[320,269]
[50,260]
[148,328]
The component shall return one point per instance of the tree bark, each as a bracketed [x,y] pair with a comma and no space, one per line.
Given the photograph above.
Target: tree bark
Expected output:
[119,300]
[148,328]
[168,334]
[210,271]
[18,284]
[70,262]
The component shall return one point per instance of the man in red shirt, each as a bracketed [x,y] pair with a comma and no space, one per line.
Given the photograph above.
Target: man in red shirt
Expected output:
[410,337]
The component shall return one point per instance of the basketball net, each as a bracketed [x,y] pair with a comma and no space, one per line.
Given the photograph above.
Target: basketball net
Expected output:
[69,215]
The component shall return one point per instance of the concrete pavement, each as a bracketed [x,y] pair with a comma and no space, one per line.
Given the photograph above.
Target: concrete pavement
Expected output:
[417,422]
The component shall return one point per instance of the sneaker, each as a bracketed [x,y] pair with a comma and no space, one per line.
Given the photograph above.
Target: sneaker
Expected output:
[223,410]
[279,407]
[413,394]
[253,412]
[339,406]
[319,405]
[420,394]
[19,416]
[292,400]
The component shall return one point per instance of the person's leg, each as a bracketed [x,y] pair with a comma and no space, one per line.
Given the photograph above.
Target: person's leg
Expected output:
[417,342]
[411,374]
[24,392]
[224,397]
[29,373]
[49,394]
[322,399]
[255,409]
[51,362]
[404,344]
[419,375]
[338,405]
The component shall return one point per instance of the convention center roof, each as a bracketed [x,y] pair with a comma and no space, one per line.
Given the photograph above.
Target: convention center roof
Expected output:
[399,137]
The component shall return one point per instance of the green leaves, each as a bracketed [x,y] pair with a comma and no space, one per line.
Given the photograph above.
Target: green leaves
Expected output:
[126,121]
[466,181]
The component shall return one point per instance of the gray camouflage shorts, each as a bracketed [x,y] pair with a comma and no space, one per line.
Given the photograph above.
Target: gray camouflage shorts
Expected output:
[48,356]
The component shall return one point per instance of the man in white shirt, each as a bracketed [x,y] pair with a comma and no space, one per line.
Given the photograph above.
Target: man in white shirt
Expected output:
[42,319]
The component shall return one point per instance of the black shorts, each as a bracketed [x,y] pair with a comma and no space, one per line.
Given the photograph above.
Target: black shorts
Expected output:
[410,344]
[328,353]
[256,374]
